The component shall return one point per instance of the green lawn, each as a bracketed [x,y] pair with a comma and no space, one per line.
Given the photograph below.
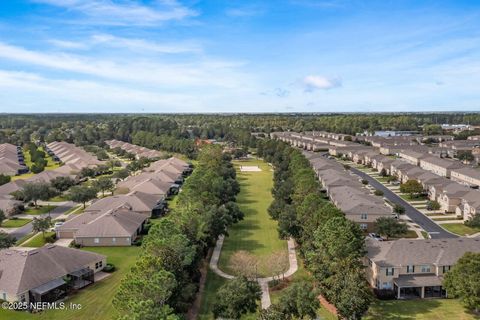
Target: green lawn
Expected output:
[60,198]
[38,240]
[212,284]
[427,309]
[39,210]
[96,300]
[15,223]
[257,233]
[460,228]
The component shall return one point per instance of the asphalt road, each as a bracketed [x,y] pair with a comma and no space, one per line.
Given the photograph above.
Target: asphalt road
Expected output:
[435,231]
[58,211]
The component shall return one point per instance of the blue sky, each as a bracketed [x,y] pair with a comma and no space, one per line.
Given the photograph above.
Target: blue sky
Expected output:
[239,56]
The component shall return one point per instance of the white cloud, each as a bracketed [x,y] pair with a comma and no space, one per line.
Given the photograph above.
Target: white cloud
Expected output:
[200,72]
[312,83]
[108,12]
[64,44]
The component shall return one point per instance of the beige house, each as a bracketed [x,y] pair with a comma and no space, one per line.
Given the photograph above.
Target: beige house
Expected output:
[39,275]
[470,206]
[439,166]
[414,268]
[452,196]
[467,176]
[114,227]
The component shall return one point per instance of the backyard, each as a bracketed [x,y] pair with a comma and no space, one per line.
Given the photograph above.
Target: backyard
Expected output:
[426,309]
[95,300]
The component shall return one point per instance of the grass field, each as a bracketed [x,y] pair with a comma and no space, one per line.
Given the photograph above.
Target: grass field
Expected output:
[38,240]
[39,210]
[426,309]
[15,223]
[460,228]
[257,233]
[96,300]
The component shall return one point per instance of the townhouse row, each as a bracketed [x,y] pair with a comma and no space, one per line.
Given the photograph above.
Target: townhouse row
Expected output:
[11,160]
[138,151]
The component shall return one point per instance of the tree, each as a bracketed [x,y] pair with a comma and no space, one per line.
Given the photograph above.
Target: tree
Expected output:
[383,172]
[6,240]
[41,224]
[122,174]
[112,163]
[433,205]
[236,298]
[82,194]
[390,227]
[37,191]
[278,263]
[103,184]
[2,216]
[463,281]
[465,156]
[62,183]
[412,188]
[242,263]
[474,222]
[299,301]
[4,179]
[432,129]
[87,172]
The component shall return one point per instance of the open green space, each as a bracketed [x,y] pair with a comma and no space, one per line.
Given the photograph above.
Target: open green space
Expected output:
[15,223]
[39,240]
[460,228]
[212,284]
[425,309]
[60,198]
[257,233]
[39,210]
[96,300]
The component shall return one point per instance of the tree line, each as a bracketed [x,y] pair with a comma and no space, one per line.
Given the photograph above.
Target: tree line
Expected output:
[164,281]
[331,245]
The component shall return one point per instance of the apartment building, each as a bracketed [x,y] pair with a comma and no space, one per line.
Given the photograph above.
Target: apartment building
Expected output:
[414,268]
[467,176]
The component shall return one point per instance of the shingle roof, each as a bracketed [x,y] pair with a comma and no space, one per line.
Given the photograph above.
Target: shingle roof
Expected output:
[24,270]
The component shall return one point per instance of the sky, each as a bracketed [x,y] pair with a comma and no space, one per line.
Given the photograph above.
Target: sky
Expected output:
[158,56]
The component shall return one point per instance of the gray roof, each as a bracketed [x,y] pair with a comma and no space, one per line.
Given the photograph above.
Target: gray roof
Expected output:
[21,271]
[443,163]
[405,252]
[136,201]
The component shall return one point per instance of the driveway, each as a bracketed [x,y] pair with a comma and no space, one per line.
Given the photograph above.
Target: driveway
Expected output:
[62,208]
[435,231]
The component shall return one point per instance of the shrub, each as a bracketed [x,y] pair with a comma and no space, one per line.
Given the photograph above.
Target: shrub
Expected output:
[110,267]
[398,209]
[474,222]
[364,181]
[137,242]
[51,238]
[384,294]
[433,205]
[383,173]
[391,179]
[378,192]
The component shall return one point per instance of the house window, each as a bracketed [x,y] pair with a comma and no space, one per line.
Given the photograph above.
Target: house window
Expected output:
[446,268]
[363,216]
[389,271]
[96,240]
[425,268]
[114,240]
[363,226]
[4,296]
[386,285]
[98,264]
[410,269]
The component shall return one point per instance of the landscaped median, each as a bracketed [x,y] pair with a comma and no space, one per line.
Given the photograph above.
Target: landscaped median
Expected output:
[39,210]
[15,223]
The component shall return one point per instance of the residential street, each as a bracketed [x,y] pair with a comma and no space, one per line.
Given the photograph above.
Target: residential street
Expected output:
[62,208]
[435,231]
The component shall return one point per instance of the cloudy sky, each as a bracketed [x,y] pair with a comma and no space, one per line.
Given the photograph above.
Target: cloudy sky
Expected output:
[239,56]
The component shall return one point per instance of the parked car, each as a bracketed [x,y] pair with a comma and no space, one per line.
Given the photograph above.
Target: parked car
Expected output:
[375,236]
[57,224]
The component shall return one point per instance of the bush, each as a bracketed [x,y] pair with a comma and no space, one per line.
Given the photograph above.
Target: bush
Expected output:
[398,209]
[474,222]
[384,294]
[346,167]
[364,181]
[110,267]
[433,205]
[137,242]
[51,238]
[383,173]
[391,179]
[378,192]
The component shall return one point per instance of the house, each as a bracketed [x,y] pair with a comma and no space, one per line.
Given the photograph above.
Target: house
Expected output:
[467,176]
[144,203]
[359,206]
[9,205]
[40,275]
[470,206]
[385,163]
[113,227]
[436,187]
[11,160]
[452,196]
[414,268]
[70,154]
[399,166]
[148,183]
[441,167]
[410,174]
[138,151]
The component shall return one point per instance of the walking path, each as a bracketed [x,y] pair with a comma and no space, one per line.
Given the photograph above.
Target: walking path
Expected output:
[263,282]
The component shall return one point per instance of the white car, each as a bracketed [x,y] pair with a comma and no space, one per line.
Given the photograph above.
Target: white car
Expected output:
[57,224]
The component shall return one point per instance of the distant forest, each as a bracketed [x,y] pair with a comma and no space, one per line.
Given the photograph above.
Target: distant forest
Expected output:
[177,132]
